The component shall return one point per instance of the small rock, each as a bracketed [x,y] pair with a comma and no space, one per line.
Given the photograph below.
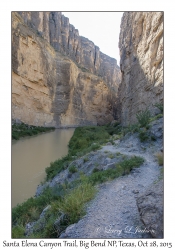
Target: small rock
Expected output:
[109,144]
[44,211]
[109,166]
[29,228]
[61,220]
[63,235]
[70,228]
[124,212]
[69,175]
[135,191]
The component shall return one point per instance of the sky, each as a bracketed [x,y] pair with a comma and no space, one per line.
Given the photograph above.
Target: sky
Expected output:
[102,28]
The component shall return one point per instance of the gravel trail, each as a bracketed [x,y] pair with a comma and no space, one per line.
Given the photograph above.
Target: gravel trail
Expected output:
[114,213]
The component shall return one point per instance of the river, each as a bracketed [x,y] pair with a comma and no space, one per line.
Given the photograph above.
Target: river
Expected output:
[30,157]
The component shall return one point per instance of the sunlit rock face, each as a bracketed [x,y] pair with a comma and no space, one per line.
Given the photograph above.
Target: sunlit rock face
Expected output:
[59,78]
[141,51]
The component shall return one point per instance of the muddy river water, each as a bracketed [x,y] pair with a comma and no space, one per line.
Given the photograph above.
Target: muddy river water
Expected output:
[30,157]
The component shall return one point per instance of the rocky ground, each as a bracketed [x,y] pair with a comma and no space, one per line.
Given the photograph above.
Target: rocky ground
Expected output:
[125,207]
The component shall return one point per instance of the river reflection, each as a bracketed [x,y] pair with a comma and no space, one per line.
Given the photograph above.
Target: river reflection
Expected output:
[30,157]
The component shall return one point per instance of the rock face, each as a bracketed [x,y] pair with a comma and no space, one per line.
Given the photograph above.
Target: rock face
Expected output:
[150,205]
[141,51]
[59,78]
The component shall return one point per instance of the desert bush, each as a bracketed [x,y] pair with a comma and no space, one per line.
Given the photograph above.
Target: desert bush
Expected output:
[159,106]
[73,203]
[160,158]
[72,169]
[143,136]
[143,117]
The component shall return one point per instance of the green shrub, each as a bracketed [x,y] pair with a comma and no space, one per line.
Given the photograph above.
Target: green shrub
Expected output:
[159,106]
[116,124]
[143,117]
[94,147]
[15,136]
[131,129]
[156,117]
[22,130]
[133,162]
[72,169]
[18,232]
[57,166]
[143,136]
[95,170]
[86,139]
[86,159]
[111,156]
[118,154]
[153,138]
[122,168]
[26,211]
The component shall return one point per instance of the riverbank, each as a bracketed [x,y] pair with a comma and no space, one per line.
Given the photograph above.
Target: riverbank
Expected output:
[94,157]
[22,130]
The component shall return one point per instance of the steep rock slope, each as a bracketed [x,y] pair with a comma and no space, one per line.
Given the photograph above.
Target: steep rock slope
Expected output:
[59,78]
[141,51]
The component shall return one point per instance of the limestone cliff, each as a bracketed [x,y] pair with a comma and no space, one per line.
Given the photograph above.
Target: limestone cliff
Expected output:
[141,51]
[59,78]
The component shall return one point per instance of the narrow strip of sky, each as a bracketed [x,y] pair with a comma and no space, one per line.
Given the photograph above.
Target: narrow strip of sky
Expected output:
[102,28]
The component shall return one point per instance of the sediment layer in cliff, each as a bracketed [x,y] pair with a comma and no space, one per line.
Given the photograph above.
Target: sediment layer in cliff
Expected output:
[141,51]
[59,78]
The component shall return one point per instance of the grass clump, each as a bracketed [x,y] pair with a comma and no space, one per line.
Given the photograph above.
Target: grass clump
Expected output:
[86,139]
[143,136]
[118,154]
[86,159]
[95,170]
[18,231]
[156,117]
[122,168]
[72,169]
[57,166]
[114,129]
[106,151]
[160,158]
[31,209]
[159,106]
[74,202]
[131,129]
[111,156]
[143,117]
[22,130]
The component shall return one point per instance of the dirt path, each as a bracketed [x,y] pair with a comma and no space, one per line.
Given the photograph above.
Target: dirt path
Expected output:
[114,213]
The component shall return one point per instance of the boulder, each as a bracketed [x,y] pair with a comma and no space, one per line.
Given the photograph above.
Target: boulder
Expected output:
[156,129]
[150,206]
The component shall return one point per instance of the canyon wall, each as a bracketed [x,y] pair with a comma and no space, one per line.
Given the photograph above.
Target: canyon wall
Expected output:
[58,77]
[141,64]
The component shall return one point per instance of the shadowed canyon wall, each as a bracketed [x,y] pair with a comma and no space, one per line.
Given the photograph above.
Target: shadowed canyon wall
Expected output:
[141,63]
[62,79]
[59,78]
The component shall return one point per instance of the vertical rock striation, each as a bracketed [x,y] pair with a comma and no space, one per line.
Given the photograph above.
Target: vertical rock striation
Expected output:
[141,64]
[56,29]
[59,78]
